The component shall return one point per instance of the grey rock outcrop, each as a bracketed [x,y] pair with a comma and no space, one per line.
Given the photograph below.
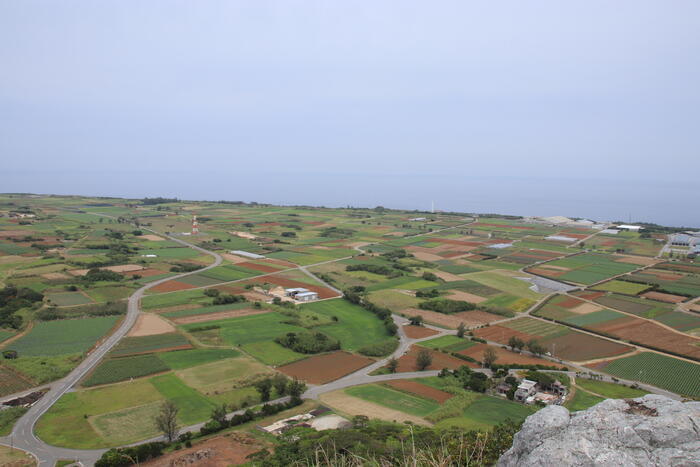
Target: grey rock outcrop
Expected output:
[649,431]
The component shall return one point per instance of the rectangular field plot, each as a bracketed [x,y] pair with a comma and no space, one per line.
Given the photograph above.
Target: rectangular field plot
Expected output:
[537,328]
[271,353]
[121,369]
[172,253]
[64,336]
[679,376]
[395,400]
[633,305]
[224,375]
[149,344]
[68,298]
[622,287]
[586,268]
[452,343]
[193,406]
[670,282]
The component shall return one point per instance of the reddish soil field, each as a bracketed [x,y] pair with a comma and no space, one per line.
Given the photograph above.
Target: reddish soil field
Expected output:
[281,262]
[407,363]
[591,295]
[667,276]
[646,332]
[665,297]
[546,272]
[570,303]
[258,267]
[453,254]
[289,283]
[456,242]
[418,332]
[501,334]
[577,347]
[322,369]
[172,286]
[505,357]
[221,451]
[507,226]
[420,389]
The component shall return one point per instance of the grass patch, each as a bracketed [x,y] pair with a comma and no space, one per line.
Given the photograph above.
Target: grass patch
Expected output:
[394,399]
[272,353]
[610,390]
[193,406]
[582,400]
[8,417]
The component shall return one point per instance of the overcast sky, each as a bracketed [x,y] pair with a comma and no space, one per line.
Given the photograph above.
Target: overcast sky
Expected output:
[315,101]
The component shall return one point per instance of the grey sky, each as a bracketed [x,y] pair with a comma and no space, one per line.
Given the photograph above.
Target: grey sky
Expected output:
[137,98]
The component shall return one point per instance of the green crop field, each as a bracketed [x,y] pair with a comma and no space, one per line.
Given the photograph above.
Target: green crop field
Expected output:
[271,353]
[184,297]
[659,370]
[590,319]
[637,306]
[537,327]
[193,407]
[169,253]
[68,298]
[582,400]
[588,268]
[452,343]
[609,390]
[147,344]
[396,400]
[681,321]
[181,359]
[109,294]
[622,287]
[230,273]
[63,336]
[114,370]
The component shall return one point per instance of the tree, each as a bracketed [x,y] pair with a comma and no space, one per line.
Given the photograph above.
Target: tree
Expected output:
[295,389]
[535,347]
[515,343]
[264,386]
[490,357]
[392,365]
[416,320]
[461,329]
[423,360]
[166,420]
[219,414]
[279,381]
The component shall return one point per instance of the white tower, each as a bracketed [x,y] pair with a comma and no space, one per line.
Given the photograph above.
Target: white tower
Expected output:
[195,225]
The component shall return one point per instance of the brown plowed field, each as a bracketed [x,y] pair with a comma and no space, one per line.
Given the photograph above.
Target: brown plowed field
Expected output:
[218,315]
[418,332]
[546,272]
[420,389]
[145,272]
[570,303]
[172,286]
[665,297]
[578,347]
[149,324]
[433,317]
[505,357]
[638,260]
[476,317]
[591,295]
[322,369]
[465,296]
[646,332]
[501,334]
[407,363]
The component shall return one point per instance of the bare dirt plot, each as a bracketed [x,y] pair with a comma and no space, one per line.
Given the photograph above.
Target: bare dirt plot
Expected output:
[665,297]
[570,303]
[476,317]
[420,389]
[505,357]
[589,295]
[585,308]
[426,256]
[433,317]
[16,233]
[145,272]
[695,307]
[638,260]
[501,334]
[218,315]
[258,267]
[465,296]
[124,268]
[418,332]
[448,277]
[153,238]
[355,406]
[149,324]
[407,363]
[579,347]
[172,286]
[55,276]
[221,451]
[233,258]
[322,369]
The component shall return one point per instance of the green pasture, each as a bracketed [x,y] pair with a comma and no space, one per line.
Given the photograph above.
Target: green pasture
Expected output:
[394,300]
[622,287]
[582,400]
[172,253]
[68,298]
[184,297]
[193,407]
[271,353]
[637,306]
[393,399]
[609,390]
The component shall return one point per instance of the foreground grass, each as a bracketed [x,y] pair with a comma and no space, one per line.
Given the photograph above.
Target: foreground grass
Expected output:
[610,390]
[582,400]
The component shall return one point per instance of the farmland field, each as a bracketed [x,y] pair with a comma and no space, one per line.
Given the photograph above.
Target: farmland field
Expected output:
[610,390]
[452,343]
[586,268]
[64,336]
[181,359]
[148,344]
[659,370]
[393,399]
[120,369]
[68,298]
[622,287]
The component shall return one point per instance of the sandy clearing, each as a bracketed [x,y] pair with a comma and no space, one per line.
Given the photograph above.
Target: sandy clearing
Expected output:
[233,258]
[426,256]
[149,324]
[448,277]
[354,406]
[465,296]
[55,275]
[124,268]
[218,315]
[664,297]
[638,260]
[585,309]
[153,238]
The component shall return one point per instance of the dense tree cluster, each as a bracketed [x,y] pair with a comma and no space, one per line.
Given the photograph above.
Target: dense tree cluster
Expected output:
[308,342]
[446,306]
[12,299]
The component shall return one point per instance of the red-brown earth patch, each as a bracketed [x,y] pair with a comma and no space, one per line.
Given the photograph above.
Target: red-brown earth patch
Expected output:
[418,332]
[420,389]
[322,369]
[172,286]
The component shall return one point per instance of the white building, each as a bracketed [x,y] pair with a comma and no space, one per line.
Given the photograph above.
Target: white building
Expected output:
[526,389]
[246,254]
[631,228]
[306,296]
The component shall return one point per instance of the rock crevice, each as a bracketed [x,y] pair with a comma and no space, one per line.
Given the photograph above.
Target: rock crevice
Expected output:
[649,431]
